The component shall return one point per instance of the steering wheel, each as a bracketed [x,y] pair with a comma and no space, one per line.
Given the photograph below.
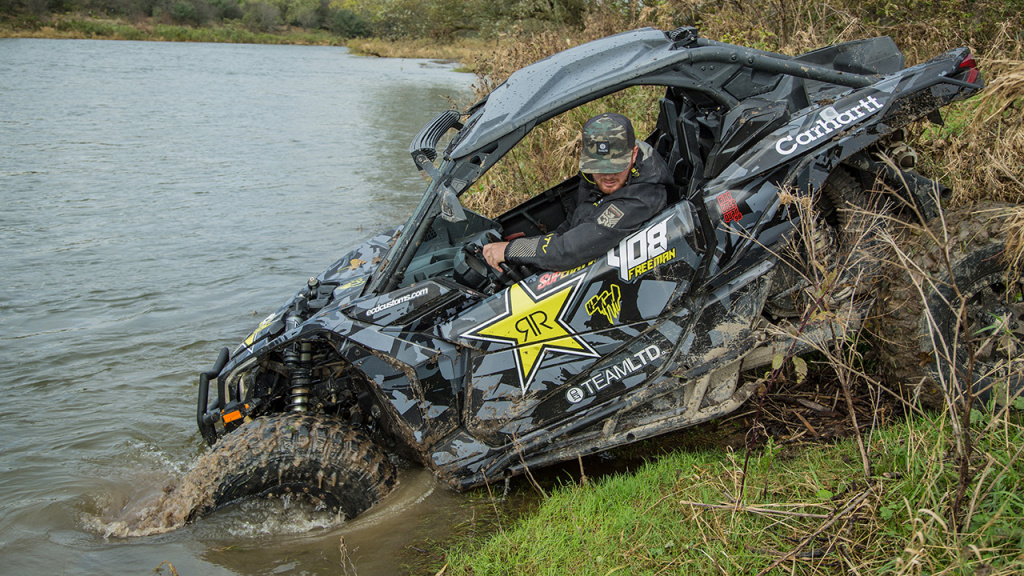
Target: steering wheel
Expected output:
[477,273]
[511,273]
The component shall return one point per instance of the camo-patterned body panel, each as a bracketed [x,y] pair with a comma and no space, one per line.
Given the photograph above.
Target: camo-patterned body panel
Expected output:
[480,379]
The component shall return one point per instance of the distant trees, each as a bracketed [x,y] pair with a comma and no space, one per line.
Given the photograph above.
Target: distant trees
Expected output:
[441,19]
[447,18]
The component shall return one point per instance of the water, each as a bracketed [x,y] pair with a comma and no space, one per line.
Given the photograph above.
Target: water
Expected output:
[158,200]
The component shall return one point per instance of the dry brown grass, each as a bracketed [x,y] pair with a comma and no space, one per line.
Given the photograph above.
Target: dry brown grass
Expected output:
[464,50]
[1015,243]
[980,153]
[921,29]
[492,201]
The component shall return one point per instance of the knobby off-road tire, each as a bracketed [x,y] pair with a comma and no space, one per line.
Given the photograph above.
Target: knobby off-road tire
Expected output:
[316,456]
[839,227]
[912,330]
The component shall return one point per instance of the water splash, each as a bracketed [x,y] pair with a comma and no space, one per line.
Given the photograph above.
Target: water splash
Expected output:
[154,514]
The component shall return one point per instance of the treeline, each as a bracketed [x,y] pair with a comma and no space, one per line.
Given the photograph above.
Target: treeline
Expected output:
[752,22]
[390,19]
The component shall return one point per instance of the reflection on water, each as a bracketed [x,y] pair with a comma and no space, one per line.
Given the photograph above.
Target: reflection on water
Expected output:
[159,200]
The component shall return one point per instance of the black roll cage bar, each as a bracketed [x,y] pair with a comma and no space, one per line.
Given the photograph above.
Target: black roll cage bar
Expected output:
[675,74]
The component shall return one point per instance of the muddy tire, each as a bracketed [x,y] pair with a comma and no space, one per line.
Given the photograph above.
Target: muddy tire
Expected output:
[838,229]
[839,192]
[316,456]
[924,348]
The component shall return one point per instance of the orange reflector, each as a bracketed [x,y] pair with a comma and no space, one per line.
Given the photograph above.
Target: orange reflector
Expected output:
[232,416]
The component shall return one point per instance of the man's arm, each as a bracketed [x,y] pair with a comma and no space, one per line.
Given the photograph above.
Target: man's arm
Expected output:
[586,241]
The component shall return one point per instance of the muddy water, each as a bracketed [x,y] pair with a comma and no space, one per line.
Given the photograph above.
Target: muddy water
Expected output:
[158,200]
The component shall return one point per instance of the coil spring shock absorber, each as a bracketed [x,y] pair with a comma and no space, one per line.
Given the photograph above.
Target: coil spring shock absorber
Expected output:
[298,359]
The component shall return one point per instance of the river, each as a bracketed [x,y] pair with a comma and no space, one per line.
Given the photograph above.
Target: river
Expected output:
[158,200]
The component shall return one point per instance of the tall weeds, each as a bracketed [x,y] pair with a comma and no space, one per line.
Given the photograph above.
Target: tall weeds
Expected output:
[964,513]
[937,494]
[979,152]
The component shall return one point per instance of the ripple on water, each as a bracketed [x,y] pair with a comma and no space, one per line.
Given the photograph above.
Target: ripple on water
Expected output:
[137,219]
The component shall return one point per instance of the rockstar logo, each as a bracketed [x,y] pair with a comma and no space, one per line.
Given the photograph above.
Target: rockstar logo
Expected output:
[535,326]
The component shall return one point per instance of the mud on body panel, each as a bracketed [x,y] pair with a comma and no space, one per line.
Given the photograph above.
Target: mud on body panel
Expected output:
[414,383]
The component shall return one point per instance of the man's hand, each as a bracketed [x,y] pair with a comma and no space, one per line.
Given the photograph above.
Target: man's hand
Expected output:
[494,253]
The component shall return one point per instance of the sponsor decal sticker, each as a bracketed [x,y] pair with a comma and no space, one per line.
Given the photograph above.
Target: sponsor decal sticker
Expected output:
[353,283]
[610,217]
[263,326]
[608,303]
[574,395]
[400,300]
[535,325]
[642,252]
[727,204]
[603,378]
[548,278]
[829,121]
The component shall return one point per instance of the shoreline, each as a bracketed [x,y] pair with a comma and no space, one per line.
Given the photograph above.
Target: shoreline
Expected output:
[79,27]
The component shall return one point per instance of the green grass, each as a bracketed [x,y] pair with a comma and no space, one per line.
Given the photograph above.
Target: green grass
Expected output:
[677,514]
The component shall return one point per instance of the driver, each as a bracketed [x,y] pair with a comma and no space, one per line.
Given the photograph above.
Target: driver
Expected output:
[622,185]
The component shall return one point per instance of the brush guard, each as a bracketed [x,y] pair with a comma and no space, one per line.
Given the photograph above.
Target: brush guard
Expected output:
[205,418]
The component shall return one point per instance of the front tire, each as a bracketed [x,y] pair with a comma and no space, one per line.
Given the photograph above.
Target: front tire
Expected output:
[295,453]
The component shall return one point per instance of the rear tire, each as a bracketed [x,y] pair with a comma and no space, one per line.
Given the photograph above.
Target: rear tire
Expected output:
[315,456]
[837,232]
[922,343]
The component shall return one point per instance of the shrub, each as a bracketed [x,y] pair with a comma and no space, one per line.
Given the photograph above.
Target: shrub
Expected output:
[227,9]
[349,24]
[304,13]
[261,16]
[184,13]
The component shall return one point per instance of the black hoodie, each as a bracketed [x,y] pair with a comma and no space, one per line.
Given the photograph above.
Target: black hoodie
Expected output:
[598,221]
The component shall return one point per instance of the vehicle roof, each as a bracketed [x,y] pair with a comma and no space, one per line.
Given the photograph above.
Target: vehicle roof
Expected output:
[558,82]
[572,77]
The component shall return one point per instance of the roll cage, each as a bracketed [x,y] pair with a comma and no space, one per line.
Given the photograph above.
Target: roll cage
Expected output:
[720,99]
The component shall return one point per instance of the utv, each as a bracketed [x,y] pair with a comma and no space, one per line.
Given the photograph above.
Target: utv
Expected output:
[411,346]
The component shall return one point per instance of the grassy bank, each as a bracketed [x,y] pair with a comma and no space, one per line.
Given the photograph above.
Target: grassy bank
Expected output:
[77,26]
[938,493]
[466,51]
[812,511]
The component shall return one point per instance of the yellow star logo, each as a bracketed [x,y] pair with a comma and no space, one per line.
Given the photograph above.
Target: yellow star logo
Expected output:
[535,326]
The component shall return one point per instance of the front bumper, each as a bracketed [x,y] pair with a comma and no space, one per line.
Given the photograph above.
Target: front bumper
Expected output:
[206,419]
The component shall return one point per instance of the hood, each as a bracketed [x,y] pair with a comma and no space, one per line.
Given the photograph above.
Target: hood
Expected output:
[338,285]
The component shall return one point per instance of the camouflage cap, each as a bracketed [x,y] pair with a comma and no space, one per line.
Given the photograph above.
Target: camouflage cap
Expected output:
[608,143]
